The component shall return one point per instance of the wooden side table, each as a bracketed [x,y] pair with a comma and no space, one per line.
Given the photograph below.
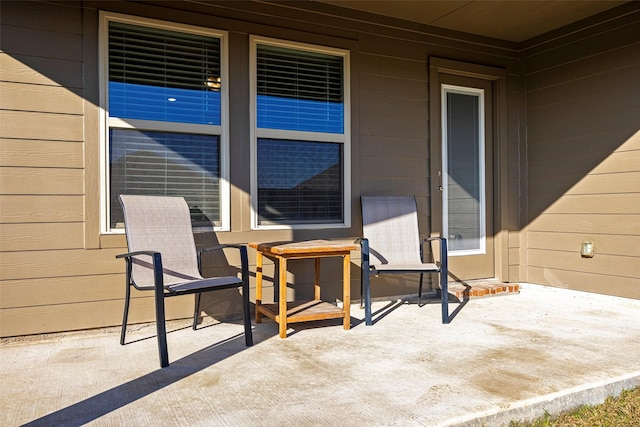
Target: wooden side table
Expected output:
[284,312]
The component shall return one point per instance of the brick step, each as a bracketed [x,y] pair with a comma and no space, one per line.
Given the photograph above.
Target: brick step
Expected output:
[479,289]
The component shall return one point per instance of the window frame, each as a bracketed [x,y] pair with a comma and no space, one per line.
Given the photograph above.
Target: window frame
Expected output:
[267,133]
[482,238]
[107,122]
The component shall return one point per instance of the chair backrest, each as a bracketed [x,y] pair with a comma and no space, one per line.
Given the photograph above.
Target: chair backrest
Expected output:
[391,225]
[162,224]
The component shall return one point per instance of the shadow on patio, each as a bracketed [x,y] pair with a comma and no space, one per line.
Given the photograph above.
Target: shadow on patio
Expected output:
[501,358]
[94,407]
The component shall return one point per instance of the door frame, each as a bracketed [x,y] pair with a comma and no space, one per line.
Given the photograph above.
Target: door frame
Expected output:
[498,76]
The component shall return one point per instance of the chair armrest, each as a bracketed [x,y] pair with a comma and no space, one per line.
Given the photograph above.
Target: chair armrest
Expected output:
[132,254]
[156,260]
[443,251]
[212,248]
[363,242]
[244,258]
[364,250]
[204,250]
[218,248]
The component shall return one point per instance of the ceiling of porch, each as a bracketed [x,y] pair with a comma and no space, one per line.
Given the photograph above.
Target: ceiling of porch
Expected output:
[511,20]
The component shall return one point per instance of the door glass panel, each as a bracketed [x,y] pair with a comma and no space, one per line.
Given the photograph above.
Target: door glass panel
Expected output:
[463,177]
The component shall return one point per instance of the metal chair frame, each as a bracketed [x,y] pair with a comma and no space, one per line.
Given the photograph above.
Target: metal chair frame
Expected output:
[162,291]
[367,269]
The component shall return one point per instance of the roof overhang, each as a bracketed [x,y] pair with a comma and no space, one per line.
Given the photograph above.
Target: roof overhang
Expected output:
[510,20]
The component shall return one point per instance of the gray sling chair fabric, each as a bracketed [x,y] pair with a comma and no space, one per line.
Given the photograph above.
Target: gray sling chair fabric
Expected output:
[162,258]
[391,245]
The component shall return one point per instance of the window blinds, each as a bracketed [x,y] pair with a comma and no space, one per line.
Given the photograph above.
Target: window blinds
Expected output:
[157,74]
[165,76]
[166,164]
[299,182]
[299,90]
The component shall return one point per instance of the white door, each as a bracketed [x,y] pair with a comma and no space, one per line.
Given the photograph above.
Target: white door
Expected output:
[467,176]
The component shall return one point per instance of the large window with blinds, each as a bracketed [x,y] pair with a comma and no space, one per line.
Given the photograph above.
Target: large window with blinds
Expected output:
[300,151]
[164,97]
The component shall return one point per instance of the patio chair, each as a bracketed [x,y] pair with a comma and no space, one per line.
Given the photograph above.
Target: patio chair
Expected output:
[162,258]
[391,245]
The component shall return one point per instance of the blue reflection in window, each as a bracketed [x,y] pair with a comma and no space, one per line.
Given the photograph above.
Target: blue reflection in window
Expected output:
[299,182]
[167,104]
[300,114]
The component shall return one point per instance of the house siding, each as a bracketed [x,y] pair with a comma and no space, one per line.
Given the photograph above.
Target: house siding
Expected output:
[58,273]
[583,158]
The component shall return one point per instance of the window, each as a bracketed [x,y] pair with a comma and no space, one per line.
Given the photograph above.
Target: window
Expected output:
[164,98]
[300,135]
[464,201]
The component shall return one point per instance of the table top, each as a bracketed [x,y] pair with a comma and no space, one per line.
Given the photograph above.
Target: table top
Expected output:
[304,247]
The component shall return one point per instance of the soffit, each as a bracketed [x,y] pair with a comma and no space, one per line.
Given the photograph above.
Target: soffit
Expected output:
[510,20]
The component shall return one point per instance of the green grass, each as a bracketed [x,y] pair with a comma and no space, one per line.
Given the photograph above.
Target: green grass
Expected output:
[621,411]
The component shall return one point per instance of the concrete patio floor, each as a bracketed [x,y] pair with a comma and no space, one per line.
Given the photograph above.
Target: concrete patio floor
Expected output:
[502,358]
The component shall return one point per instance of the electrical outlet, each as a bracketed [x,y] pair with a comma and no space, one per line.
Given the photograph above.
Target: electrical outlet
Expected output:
[587,249]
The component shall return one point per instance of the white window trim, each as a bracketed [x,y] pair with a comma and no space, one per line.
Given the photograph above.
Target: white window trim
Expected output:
[255,133]
[481,172]
[106,122]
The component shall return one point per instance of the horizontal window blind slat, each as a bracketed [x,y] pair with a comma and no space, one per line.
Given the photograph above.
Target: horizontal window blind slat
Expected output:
[299,182]
[299,90]
[166,163]
[169,55]
[163,75]
[293,69]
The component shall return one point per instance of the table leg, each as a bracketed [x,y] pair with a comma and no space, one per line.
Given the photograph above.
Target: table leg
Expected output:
[316,281]
[346,289]
[258,285]
[282,304]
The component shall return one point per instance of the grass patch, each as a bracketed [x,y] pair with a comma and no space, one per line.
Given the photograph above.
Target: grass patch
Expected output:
[620,411]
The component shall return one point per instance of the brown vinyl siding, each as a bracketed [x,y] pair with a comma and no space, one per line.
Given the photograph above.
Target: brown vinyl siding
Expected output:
[393,140]
[389,148]
[41,175]
[583,104]
[48,280]
[57,272]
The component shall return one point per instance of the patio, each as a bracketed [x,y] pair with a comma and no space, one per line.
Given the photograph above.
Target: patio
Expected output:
[501,358]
